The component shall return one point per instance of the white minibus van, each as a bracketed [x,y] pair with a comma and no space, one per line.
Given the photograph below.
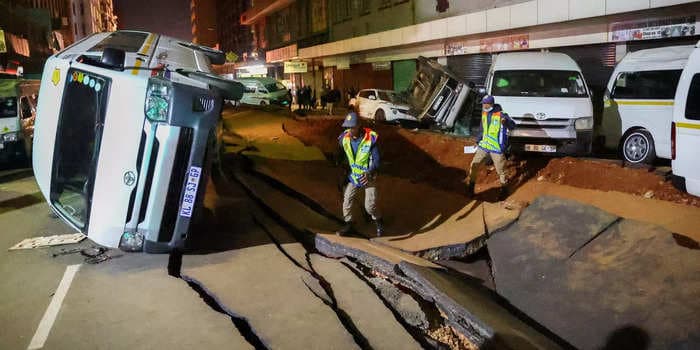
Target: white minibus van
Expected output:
[685,129]
[547,97]
[265,91]
[639,103]
[126,123]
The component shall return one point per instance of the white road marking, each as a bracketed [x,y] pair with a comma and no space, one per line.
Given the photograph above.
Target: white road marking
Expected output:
[42,332]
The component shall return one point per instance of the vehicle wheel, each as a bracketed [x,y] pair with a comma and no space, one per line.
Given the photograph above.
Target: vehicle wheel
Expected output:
[638,147]
[379,116]
[263,103]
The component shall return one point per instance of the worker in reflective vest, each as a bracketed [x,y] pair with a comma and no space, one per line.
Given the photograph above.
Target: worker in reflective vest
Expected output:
[492,142]
[360,148]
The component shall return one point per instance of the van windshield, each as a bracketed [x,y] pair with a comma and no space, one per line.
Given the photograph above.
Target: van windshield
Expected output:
[274,87]
[78,138]
[8,107]
[538,83]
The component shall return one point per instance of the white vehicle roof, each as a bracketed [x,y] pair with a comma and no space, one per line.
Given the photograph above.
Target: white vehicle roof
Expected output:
[142,50]
[663,58]
[534,61]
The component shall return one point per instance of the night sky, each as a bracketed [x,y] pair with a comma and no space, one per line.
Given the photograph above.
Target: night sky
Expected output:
[169,17]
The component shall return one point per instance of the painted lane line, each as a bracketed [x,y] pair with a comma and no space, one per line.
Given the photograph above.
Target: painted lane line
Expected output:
[42,332]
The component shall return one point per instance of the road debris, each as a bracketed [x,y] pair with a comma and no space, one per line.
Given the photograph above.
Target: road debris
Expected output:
[37,242]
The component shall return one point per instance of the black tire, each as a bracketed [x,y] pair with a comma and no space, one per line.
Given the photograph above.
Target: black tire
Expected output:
[263,103]
[637,147]
[379,116]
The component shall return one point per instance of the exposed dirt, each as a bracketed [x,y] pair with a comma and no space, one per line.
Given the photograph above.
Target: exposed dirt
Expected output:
[448,336]
[438,160]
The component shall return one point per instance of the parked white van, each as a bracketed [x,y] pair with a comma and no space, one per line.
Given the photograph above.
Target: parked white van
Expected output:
[547,97]
[685,129]
[264,91]
[639,103]
[126,125]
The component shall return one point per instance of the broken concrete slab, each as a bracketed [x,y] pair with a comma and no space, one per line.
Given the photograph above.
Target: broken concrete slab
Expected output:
[478,270]
[472,311]
[631,280]
[280,308]
[458,236]
[133,303]
[680,219]
[371,317]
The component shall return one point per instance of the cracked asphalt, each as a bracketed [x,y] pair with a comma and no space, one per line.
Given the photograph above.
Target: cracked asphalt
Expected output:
[249,284]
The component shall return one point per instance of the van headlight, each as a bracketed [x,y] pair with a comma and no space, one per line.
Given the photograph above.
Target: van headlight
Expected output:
[584,123]
[10,137]
[158,98]
[131,242]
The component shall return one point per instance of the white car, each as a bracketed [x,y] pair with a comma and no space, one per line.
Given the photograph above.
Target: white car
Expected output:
[381,105]
[685,130]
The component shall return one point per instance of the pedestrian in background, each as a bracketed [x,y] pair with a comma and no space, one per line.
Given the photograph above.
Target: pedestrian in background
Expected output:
[492,142]
[362,153]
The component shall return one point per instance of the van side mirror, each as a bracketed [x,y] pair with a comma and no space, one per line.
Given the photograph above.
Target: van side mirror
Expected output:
[482,91]
[372,97]
[113,58]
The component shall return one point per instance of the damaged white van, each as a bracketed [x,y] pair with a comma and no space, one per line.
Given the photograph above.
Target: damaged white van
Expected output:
[547,97]
[639,103]
[126,124]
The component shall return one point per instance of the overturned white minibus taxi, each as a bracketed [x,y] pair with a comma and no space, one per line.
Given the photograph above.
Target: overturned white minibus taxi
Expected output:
[126,125]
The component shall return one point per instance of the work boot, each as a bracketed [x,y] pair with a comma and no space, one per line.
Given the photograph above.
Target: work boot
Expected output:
[470,189]
[380,227]
[346,229]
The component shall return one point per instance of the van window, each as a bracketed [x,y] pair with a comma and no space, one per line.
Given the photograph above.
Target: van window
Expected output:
[127,41]
[8,107]
[273,87]
[78,138]
[692,106]
[539,83]
[365,93]
[647,85]
[249,89]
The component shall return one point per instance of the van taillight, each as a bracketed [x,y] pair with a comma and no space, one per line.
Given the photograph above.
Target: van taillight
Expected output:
[673,141]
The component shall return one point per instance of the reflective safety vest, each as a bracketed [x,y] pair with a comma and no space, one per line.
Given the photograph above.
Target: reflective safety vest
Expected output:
[491,139]
[360,162]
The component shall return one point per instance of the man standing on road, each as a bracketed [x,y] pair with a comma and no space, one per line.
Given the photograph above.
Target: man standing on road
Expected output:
[361,150]
[492,142]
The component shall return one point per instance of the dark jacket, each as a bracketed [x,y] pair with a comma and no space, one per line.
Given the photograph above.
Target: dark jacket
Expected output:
[508,124]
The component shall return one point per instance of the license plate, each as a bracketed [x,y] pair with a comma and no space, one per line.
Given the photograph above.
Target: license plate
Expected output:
[190,196]
[541,148]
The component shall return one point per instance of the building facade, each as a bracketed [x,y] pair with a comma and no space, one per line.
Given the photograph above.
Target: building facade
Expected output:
[203,18]
[92,16]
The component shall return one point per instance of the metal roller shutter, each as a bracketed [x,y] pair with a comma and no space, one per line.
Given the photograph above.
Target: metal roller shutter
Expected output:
[472,68]
[596,61]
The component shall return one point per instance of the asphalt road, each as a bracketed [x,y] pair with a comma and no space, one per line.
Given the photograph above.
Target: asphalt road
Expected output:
[250,284]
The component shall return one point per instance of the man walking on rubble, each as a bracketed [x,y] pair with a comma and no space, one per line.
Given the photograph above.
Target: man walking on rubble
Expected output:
[492,142]
[362,153]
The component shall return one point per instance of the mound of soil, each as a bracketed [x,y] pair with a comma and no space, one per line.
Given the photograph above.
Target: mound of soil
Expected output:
[439,160]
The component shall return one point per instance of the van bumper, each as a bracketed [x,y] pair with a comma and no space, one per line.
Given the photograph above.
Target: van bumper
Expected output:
[581,145]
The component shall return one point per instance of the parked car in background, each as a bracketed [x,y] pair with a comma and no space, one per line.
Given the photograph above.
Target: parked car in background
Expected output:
[547,97]
[18,98]
[381,105]
[639,103]
[265,91]
[685,129]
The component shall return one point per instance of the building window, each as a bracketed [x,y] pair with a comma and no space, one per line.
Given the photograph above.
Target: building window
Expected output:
[384,4]
[343,10]
[365,7]
[82,9]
